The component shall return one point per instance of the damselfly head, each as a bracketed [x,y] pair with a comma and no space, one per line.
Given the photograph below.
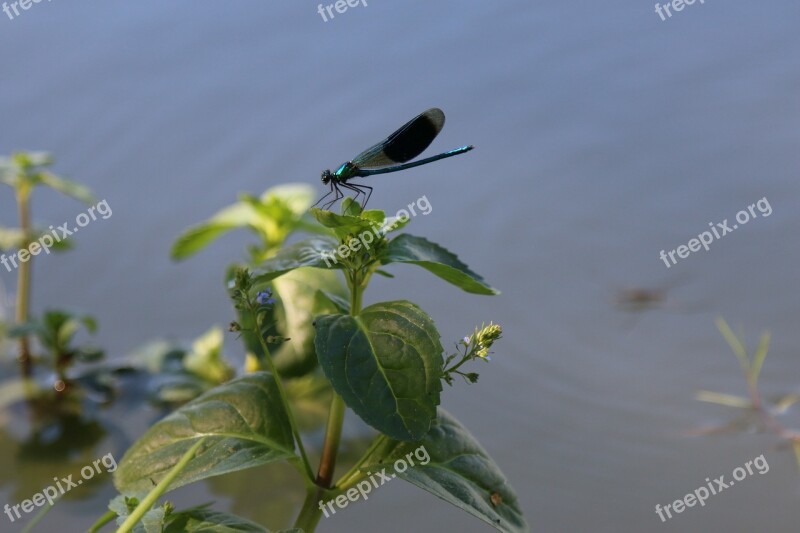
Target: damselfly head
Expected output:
[326,176]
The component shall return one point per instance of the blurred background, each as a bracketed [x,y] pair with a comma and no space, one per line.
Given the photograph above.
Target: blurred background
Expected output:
[603,135]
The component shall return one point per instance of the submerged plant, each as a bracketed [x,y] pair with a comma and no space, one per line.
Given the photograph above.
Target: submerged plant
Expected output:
[758,413]
[24,171]
[55,332]
[176,373]
[384,362]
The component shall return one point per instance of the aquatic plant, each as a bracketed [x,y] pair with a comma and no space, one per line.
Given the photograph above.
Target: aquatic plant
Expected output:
[384,362]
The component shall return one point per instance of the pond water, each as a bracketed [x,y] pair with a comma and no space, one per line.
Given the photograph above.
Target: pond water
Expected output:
[603,136]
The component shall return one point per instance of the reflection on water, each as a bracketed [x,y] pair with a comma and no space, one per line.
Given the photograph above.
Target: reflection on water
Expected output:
[602,135]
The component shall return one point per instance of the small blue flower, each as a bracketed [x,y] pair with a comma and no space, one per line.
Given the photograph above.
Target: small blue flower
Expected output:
[265,297]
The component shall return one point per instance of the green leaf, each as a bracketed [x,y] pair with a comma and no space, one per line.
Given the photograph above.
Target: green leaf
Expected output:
[298,306]
[244,423]
[200,519]
[11,238]
[386,363]
[735,343]
[205,359]
[67,187]
[194,519]
[27,328]
[14,239]
[337,302]
[291,317]
[311,252]
[727,400]
[153,520]
[760,355]
[153,356]
[310,396]
[781,404]
[145,506]
[458,470]
[32,159]
[7,174]
[375,216]
[273,216]
[344,225]
[63,245]
[198,237]
[392,224]
[296,196]
[123,505]
[350,207]
[177,388]
[436,259]
[20,170]
[89,322]
[62,325]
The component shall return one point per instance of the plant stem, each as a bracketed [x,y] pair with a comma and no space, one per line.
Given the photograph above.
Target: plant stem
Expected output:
[354,474]
[455,368]
[333,436]
[24,280]
[752,389]
[159,489]
[311,513]
[355,294]
[103,520]
[284,397]
[37,518]
[333,433]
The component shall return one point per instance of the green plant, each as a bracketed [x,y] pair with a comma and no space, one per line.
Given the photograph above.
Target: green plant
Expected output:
[384,361]
[55,331]
[273,217]
[758,413]
[24,171]
[177,373]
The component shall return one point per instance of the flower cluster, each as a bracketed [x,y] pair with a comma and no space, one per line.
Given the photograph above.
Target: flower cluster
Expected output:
[257,307]
[265,297]
[475,346]
[484,338]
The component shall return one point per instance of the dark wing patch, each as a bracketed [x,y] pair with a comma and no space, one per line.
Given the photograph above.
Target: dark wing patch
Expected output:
[406,143]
